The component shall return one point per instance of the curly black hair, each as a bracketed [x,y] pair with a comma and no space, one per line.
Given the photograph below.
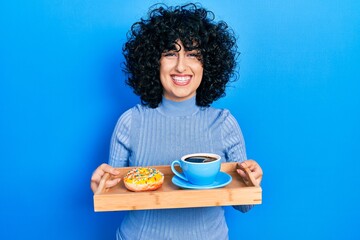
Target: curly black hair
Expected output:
[190,24]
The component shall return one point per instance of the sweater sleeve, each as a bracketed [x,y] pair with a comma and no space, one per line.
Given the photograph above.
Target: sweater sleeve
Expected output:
[234,146]
[120,141]
[233,140]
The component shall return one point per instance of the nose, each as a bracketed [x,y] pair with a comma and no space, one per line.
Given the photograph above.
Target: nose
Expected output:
[180,64]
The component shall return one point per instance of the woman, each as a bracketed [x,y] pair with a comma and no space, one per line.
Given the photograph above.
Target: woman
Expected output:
[178,61]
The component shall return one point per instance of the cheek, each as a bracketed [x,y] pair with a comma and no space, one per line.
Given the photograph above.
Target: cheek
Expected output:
[161,70]
[165,68]
[162,74]
[200,72]
[163,79]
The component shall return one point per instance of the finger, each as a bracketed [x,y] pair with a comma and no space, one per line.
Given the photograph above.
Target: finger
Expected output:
[241,173]
[251,164]
[94,186]
[248,164]
[245,167]
[109,169]
[254,168]
[259,178]
[105,182]
[242,165]
[101,170]
[98,182]
[257,174]
[244,177]
[99,173]
[112,183]
[251,177]
[95,179]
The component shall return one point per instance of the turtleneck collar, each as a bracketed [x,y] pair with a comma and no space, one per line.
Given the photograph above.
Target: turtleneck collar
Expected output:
[178,109]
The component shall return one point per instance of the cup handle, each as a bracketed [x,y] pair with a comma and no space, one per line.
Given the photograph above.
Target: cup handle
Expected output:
[180,175]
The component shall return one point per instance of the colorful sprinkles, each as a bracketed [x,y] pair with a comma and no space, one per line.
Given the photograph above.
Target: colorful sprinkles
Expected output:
[143,175]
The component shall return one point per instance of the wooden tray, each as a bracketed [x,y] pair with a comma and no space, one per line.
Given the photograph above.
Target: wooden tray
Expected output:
[170,196]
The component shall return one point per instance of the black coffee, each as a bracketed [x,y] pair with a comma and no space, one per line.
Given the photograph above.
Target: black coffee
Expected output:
[200,159]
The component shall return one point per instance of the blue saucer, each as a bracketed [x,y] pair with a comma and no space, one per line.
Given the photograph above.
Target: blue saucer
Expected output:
[222,179]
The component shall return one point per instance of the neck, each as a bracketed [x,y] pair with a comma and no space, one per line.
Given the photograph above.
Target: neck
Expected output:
[177,109]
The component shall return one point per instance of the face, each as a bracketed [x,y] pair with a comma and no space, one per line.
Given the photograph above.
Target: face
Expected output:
[181,73]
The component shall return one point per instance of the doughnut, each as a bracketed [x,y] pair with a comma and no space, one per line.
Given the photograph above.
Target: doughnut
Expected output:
[143,179]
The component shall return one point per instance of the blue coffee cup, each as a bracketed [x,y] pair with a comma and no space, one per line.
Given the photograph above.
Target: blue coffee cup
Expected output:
[198,168]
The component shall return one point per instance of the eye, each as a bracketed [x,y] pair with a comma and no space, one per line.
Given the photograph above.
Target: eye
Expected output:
[193,54]
[169,54]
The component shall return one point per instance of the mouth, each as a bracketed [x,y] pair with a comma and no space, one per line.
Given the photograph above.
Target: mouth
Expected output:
[181,80]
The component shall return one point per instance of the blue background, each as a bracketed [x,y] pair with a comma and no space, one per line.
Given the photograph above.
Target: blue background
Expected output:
[297,100]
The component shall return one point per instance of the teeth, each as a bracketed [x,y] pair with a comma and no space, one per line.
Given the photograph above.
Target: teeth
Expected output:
[181,79]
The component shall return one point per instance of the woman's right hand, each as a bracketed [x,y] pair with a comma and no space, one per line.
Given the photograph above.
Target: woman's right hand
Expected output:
[100,172]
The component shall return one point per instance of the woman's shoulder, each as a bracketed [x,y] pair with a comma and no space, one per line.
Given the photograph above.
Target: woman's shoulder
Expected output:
[217,112]
[136,110]
[221,116]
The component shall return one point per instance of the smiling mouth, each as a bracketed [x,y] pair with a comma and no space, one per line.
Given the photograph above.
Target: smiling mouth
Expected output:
[181,80]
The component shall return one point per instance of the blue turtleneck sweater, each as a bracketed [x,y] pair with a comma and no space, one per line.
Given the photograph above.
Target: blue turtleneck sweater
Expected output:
[144,136]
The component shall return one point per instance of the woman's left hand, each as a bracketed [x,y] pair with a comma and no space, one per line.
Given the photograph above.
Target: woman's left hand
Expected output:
[250,171]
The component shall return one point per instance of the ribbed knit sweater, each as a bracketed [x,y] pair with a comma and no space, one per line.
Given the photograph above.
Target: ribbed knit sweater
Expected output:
[145,136]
